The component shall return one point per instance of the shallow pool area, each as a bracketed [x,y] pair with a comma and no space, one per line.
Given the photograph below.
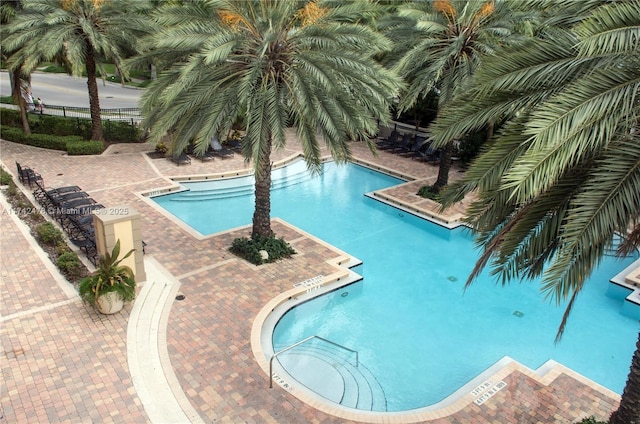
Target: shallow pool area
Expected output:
[418,335]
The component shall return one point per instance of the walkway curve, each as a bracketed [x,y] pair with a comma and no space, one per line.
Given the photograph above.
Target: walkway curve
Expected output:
[151,372]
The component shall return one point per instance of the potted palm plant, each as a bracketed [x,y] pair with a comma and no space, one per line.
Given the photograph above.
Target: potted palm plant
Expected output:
[111,284]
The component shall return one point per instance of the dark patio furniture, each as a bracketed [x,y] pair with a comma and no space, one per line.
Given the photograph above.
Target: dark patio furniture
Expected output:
[181,159]
[27,175]
[388,143]
[216,148]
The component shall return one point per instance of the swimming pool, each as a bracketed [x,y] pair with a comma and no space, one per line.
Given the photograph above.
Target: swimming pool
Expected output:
[414,329]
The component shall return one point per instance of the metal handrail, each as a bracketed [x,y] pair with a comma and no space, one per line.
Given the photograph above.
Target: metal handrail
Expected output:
[298,344]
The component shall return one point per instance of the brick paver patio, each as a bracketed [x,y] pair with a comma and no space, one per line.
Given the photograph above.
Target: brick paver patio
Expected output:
[62,362]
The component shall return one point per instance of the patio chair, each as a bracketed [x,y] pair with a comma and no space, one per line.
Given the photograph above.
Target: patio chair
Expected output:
[415,148]
[404,145]
[388,143]
[181,159]
[207,156]
[428,154]
[216,148]
[88,246]
[27,175]
[235,145]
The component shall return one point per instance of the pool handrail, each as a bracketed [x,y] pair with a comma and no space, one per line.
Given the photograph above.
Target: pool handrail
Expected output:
[298,344]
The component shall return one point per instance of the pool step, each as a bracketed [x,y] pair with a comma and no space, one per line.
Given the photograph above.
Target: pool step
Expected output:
[341,381]
[243,186]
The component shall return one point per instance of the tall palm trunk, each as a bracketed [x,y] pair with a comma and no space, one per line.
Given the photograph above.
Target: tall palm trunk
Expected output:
[629,410]
[16,86]
[445,166]
[94,100]
[262,212]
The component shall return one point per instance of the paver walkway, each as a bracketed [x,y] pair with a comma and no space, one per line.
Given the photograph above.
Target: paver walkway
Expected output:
[62,362]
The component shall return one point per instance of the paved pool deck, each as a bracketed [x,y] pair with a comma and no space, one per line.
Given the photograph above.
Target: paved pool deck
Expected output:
[163,360]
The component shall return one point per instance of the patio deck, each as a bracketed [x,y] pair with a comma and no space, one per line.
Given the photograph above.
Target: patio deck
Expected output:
[63,362]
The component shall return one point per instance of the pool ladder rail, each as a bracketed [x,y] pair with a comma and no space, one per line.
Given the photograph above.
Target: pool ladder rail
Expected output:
[298,344]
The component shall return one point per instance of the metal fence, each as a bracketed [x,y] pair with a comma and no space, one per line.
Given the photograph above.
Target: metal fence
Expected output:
[117,114]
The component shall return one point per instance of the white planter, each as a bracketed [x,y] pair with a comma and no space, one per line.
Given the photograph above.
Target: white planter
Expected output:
[109,303]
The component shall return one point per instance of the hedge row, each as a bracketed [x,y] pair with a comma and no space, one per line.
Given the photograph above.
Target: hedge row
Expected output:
[59,125]
[73,144]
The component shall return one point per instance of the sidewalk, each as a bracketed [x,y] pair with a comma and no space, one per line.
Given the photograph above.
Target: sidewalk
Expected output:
[163,360]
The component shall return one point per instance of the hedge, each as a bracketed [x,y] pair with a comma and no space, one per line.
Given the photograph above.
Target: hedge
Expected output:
[82,147]
[73,144]
[58,125]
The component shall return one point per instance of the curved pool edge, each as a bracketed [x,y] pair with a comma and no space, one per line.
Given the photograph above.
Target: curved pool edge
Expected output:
[475,392]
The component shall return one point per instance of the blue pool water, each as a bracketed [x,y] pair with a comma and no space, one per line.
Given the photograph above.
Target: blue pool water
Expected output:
[412,324]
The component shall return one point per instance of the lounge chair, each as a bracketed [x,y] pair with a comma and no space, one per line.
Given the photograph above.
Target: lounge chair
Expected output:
[404,145]
[27,175]
[207,156]
[216,148]
[88,246]
[428,154]
[181,159]
[388,143]
[235,145]
[42,194]
[416,147]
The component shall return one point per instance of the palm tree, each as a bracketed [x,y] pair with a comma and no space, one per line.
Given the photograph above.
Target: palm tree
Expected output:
[86,33]
[18,78]
[448,40]
[561,179]
[301,64]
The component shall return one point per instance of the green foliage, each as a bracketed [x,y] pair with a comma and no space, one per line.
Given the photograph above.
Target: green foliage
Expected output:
[561,177]
[47,233]
[470,147]
[249,249]
[121,131]
[5,177]
[69,263]
[91,147]
[161,148]
[591,420]
[110,276]
[54,69]
[6,100]
[429,192]
[332,91]
[38,140]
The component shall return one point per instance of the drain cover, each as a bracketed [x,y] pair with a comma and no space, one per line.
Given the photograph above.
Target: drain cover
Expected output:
[452,278]
[518,314]
[180,297]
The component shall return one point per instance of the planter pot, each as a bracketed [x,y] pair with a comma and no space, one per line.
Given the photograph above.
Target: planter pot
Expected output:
[109,303]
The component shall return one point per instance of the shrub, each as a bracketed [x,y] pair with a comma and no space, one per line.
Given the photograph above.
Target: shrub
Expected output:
[49,141]
[429,193]
[5,178]
[12,134]
[69,263]
[46,141]
[91,147]
[249,249]
[49,234]
[591,420]
[10,117]
[124,131]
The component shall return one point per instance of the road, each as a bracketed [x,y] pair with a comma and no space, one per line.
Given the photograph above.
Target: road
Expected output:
[65,90]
